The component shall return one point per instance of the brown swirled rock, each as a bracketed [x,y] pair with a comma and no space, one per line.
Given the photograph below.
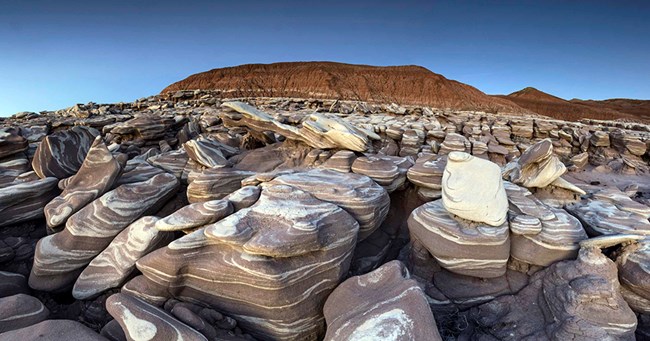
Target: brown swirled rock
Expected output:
[195,215]
[269,266]
[142,321]
[24,201]
[387,171]
[20,311]
[53,330]
[428,171]
[12,283]
[146,127]
[209,322]
[634,274]
[61,154]
[214,183]
[602,217]
[205,152]
[472,189]
[383,304]
[341,161]
[459,245]
[96,176]
[173,162]
[243,197]
[113,265]
[136,171]
[11,142]
[570,300]
[366,201]
[318,130]
[60,257]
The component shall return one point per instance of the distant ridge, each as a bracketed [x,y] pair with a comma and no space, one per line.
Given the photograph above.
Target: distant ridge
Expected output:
[329,80]
[549,105]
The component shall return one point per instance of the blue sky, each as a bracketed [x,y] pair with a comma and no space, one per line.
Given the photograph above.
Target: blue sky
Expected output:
[54,54]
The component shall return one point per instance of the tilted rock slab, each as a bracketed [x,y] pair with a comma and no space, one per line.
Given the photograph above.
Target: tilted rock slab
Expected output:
[318,130]
[600,217]
[61,154]
[634,274]
[384,304]
[60,257]
[96,176]
[24,201]
[461,246]
[113,265]
[361,197]
[270,266]
[11,142]
[570,300]
[142,321]
[195,215]
[472,189]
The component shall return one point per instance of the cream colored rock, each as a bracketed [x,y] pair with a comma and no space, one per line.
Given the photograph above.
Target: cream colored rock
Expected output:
[472,189]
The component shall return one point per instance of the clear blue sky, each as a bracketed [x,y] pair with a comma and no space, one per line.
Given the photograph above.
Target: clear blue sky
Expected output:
[54,54]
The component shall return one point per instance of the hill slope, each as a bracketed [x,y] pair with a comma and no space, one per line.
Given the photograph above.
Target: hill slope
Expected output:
[328,80]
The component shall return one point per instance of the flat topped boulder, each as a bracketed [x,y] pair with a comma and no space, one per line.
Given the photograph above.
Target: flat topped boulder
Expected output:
[472,189]
[357,194]
[384,304]
[270,266]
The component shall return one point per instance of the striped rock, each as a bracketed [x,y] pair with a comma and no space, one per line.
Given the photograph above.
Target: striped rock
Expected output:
[384,304]
[113,265]
[341,161]
[96,176]
[12,283]
[290,251]
[243,197]
[461,246]
[318,130]
[195,215]
[582,296]
[427,171]
[366,201]
[19,311]
[634,274]
[146,290]
[12,166]
[536,167]
[214,183]
[145,127]
[472,189]
[53,330]
[600,217]
[541,235]
[60,257]
[172,162]
[137,171]
[454,143]
[205,153]
[11,142]
[388,171]
[61,154]
[142,321]
[24,201]
[209,322]
[622,201]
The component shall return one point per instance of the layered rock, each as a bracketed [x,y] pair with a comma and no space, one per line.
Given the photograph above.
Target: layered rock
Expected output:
[115,263]
[318,130]
[195,215]
[23,201]
[577,300]
[383,304]
[96,176]
[634,275]
[600,217]
[286,230]
[459,245]
[361,197]
[11,142]
[61,154]
[214,184]
[142,321]
[20,311]
[67,330]
[472,189]
[60,257]
[537,166]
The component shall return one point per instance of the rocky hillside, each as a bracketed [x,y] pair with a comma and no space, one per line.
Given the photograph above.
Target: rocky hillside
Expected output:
[549,105]
[410,84]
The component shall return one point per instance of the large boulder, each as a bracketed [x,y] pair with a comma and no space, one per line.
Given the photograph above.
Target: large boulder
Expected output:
[61,154]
